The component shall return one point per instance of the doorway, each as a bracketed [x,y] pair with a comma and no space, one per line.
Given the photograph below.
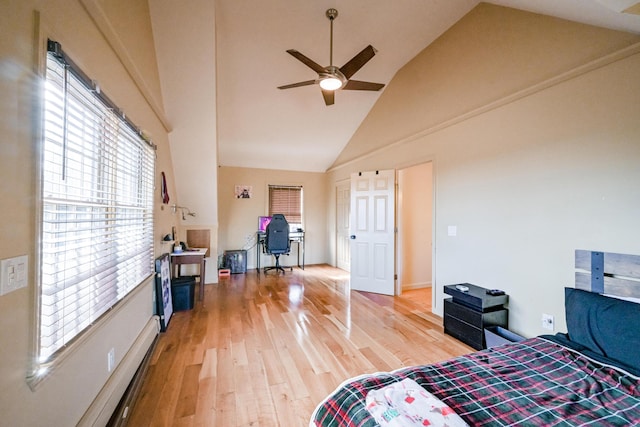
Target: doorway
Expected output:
[414,245]
[415,227]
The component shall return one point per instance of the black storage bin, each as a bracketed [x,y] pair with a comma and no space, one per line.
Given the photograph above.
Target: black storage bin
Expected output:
[236,261]
[496,335]
[183,292]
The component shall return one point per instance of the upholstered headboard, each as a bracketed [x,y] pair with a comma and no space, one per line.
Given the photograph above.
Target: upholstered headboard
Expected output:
[608,273]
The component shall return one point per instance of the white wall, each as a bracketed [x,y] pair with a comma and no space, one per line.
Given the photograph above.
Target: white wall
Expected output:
[547,166]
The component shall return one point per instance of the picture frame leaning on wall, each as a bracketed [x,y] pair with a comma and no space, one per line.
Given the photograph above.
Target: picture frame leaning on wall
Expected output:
[163,302]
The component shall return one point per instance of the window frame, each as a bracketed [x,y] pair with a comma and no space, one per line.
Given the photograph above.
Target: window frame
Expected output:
[144,151]
[270,212]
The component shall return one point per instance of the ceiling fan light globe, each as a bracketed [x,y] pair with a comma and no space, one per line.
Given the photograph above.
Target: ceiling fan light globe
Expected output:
[331,83]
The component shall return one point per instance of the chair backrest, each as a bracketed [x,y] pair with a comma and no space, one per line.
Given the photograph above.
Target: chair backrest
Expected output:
[276,239]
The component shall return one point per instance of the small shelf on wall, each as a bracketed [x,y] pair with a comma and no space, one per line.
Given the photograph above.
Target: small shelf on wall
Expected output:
[167,246]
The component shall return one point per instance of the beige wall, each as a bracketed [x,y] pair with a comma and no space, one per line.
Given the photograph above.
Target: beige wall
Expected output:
[239,217]
[492,53]
[185,43]
[62,398]
[535,154]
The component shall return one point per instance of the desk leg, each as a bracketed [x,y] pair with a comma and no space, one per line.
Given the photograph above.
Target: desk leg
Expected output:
[298,254]
[300,244]
[202,278]
[258,255]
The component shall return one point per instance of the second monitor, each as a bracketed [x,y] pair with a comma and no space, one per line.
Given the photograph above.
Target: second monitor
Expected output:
[263,221]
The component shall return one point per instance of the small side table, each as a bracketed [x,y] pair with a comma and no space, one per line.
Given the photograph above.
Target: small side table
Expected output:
[466,314]
[192,256]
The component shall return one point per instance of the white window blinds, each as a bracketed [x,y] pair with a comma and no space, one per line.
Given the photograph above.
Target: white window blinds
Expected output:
[97,207]
[286,200]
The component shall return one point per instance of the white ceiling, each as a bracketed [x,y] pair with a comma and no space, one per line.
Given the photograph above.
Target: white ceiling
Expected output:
[260,126]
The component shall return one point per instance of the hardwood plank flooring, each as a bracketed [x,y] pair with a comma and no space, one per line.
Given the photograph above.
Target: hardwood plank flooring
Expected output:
[263,350]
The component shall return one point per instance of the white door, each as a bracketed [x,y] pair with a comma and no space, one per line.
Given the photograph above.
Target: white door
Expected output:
[372,231]
[343,208]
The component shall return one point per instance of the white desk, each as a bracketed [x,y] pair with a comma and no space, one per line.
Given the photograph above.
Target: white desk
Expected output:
[294,236]
[192,256]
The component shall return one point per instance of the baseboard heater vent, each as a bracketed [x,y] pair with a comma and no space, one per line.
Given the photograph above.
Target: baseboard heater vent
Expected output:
[104,405]
[120,415]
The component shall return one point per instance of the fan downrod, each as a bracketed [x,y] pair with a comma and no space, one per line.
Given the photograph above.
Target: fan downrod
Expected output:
[331,14]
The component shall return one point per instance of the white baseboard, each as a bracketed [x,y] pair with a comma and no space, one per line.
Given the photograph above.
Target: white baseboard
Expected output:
[412,286]
[107,400]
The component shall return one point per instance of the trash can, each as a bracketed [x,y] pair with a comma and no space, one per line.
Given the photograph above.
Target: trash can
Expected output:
[183,292]
[496,335]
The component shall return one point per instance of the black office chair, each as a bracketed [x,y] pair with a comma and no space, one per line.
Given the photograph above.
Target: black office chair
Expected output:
[276,241]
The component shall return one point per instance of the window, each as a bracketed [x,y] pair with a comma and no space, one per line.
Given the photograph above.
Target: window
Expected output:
[96,227]
[286,200]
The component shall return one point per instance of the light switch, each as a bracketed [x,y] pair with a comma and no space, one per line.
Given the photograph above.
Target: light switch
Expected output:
[13,274]
[452,230]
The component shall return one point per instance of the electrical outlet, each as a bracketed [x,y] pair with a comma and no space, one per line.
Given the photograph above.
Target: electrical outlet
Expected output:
[111,360]
[547,321]
[14,273]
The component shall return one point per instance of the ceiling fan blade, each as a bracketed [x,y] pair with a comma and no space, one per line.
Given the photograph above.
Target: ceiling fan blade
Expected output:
[358,85]
[306,61]
[329,96]
[305,83]
[351,67]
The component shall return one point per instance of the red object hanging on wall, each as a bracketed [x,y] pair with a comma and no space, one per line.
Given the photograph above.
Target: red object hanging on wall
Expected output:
[164,191]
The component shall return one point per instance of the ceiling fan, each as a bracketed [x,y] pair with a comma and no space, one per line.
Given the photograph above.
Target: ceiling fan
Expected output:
[332,78]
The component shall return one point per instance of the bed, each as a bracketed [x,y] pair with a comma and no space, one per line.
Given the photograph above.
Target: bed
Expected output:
[589,376]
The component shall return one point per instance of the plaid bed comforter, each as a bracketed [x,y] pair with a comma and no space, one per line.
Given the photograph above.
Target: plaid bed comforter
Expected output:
[532,383]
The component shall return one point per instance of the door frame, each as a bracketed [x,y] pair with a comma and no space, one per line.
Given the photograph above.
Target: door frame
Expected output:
[398,290]
[346,183]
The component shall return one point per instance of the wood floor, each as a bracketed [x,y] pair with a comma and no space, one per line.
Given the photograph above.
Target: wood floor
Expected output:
[264,350]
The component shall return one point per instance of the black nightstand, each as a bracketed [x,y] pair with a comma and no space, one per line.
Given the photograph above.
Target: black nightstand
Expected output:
[466,314]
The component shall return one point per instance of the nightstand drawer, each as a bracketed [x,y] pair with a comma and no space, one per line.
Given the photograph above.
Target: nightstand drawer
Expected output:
[463,313]
[465,332]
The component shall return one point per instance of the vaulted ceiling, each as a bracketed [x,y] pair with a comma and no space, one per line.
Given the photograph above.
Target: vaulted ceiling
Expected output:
[260,126]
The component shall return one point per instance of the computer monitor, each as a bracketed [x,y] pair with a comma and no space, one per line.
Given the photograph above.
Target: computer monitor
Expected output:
[263,221]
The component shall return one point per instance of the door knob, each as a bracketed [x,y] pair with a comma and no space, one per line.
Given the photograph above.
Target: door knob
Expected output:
[352,237]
